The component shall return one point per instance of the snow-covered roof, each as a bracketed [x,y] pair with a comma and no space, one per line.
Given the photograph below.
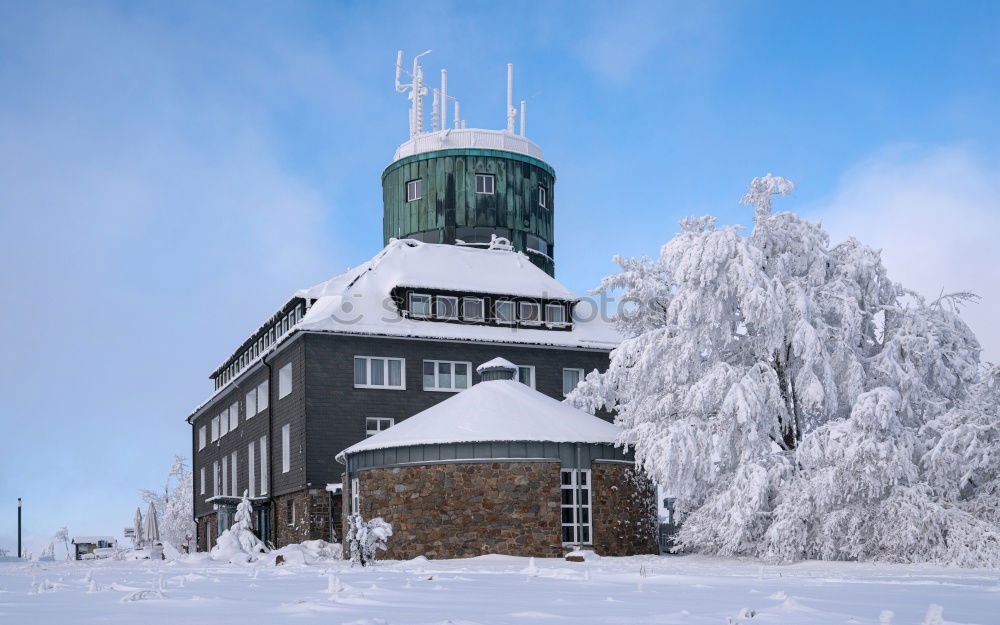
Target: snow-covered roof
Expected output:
[478,138]
[357,300]
[498,410]
[90,540]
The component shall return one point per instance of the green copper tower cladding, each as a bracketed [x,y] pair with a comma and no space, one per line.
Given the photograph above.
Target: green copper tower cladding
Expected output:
[463,186]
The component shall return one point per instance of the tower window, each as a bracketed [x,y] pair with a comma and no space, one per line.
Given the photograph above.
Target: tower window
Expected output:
[543,196]
[414,190]
[485,183]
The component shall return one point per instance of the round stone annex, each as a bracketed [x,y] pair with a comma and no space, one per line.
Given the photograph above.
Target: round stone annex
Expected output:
[501,469]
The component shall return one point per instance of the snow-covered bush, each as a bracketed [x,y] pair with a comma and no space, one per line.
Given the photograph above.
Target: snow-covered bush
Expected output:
[365,538]
[239,544]
[800,404]
[174,504]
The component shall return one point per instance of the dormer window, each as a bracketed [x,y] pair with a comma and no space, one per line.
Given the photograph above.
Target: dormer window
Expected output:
[414,190]
[485,184]
[472,308]
[505,312]
[420,305]
[446,307]
[530,312]
[555,314]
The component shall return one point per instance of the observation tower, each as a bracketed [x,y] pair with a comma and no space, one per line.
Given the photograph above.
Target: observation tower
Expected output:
[466,186]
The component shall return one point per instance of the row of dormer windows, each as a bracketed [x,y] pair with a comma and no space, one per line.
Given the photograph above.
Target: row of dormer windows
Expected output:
[486,184]
[265,340]
[478,310]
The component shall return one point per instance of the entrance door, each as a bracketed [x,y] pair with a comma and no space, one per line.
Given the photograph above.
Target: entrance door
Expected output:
[262,522]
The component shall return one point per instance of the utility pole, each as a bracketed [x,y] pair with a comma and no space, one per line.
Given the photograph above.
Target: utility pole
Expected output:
[19,527]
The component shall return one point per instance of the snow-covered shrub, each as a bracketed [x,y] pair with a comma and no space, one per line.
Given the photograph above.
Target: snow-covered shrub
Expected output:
[239,544]
[365,538]
[174,503]
[800,404]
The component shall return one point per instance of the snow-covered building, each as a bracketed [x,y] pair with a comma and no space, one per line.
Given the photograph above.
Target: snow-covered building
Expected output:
[90,547]
[501,468]
[466,275]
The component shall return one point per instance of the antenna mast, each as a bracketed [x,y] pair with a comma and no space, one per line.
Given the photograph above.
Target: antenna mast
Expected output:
[417,91]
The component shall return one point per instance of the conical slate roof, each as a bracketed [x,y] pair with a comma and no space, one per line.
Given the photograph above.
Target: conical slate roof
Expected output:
[497,410]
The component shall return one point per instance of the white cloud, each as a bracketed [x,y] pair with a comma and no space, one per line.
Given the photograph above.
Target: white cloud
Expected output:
[936,216]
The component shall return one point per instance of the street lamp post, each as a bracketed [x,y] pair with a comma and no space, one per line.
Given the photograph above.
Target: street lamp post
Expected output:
[19,527]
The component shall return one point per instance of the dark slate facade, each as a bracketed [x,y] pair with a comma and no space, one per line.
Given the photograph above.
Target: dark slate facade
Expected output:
[327,414]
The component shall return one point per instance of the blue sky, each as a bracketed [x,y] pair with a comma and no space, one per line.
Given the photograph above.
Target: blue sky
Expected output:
[170,173]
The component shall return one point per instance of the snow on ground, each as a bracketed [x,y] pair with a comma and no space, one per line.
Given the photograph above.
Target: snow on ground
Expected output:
[494,590]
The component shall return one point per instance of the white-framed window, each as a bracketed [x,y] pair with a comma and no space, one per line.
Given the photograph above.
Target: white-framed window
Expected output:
[571,378]
[526,375]
[215,478]
[505,311]
[414,190]
[472,308]
[286,448]
[537,244]
[224,423]
[285,381]
[374,425]
[215,429]
[446,307]
[263,465]
[555,314]
[251,474]
[543,196]
[225,475]
[355,495]
[446,375]
[485,184]
[232,465]
[575,506]
[530,312]
[373,372]
[420,305]
[201,437]
[251,403]
[201,475]
[234,416]
[263,396]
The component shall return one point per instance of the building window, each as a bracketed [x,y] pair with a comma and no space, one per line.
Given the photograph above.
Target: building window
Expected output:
[251,474]
[472,308]
[571,378]
[234,416]
[537,244]
[575,504]
[374,425]
[215,429]
[530,312]
[485,184]
[225,475]
[232,466]
[355,496]
[263,465]
[285,381]
[442,375]
[201,437]
[414,190]
[263,394]
[526,375]
[215,478]
[420,305]
[286,448]
[379,372]
[251,403]
[555,314]
[223,423]
[505,311]
[201,475]
[543,197]
[446,307]
[290,511]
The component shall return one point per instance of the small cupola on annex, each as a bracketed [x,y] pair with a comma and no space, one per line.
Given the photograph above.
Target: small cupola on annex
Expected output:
[464,186]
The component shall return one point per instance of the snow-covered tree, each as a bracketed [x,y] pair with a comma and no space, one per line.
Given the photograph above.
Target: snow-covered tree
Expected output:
[365,538]
[174,503]
[63,536]
[797,402]
[239,543]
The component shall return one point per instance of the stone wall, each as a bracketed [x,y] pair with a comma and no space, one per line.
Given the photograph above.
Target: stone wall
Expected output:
[624,509]
[206,532]
[464,510]
[299,516]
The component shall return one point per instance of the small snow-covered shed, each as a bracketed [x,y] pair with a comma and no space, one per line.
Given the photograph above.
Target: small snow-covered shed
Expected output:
[501,468]
[89,547]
